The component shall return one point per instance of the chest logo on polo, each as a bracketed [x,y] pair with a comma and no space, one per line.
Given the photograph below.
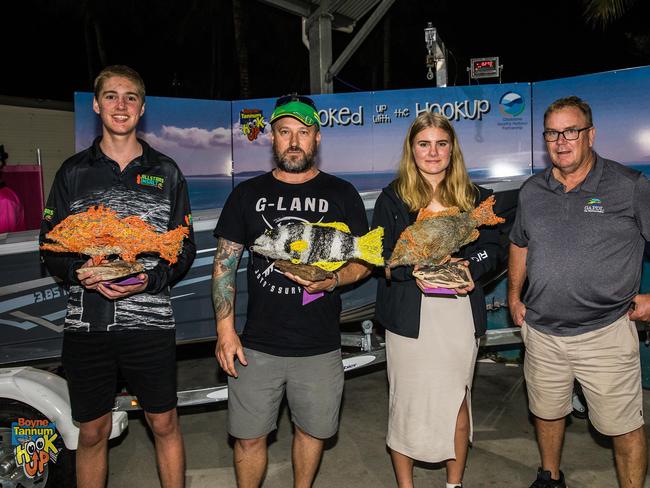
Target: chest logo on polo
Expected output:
[150,180]
[48,214]
[594,205]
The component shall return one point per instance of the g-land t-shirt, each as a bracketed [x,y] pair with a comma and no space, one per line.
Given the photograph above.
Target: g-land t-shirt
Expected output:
[277,321]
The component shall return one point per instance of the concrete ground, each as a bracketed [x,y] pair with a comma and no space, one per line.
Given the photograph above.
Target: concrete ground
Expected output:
[504,453]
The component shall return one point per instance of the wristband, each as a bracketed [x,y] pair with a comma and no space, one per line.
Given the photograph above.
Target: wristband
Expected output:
[336,283]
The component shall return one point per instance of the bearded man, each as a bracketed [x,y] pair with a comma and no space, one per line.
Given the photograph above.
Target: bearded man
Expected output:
[289,345]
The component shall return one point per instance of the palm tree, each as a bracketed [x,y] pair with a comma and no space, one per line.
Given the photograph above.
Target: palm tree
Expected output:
[602,13]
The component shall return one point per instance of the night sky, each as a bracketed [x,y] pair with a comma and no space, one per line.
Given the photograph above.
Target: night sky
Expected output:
[186,48]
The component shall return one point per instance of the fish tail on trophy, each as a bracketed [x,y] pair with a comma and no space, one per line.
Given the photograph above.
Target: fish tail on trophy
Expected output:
[370,247]
[484,214]
[171,242]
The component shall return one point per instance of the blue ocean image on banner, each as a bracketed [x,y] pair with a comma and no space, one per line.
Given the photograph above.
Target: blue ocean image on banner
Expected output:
[621,113]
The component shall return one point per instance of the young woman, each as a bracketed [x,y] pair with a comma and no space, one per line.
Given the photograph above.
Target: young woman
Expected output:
[431,341]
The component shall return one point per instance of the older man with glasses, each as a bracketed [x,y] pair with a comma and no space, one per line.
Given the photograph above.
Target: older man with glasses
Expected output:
[579,238]
[291,342]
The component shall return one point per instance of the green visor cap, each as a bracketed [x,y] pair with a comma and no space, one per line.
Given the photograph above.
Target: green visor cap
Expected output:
[298,110]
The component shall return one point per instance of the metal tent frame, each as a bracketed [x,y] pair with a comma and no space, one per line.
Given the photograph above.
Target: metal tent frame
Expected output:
[320,17]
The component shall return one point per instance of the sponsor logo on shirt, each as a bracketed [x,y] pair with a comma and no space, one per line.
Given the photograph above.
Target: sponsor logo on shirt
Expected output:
[188,219]
[480,256]
[594,205]
[149,180]
[48,214]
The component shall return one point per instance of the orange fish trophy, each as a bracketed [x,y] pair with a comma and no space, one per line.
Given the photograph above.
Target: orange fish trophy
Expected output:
[100,233]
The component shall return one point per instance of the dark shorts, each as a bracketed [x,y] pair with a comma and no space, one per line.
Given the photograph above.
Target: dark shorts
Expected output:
[146,360]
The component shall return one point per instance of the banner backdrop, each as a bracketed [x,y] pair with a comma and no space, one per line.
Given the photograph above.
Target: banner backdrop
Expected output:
[499,128]
[363,133]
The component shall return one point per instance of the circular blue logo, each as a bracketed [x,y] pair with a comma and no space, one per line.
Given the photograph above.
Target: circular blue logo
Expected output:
[511,104]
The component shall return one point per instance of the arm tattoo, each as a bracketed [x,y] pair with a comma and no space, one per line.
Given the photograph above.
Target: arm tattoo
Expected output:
[224,272]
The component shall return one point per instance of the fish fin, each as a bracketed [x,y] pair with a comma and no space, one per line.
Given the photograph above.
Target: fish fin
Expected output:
[329,265]
[299,246]
[425,213]
[370,247]
[484,214]
[337,225]
[295,260]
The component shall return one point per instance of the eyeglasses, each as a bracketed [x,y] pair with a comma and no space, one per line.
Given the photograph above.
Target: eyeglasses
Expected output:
[568,134]
[294,97]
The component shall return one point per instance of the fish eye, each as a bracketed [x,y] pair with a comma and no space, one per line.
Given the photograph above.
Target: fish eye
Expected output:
[40,443]
[31,447]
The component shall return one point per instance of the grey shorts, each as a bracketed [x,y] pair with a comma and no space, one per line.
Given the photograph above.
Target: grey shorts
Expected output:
[313,384]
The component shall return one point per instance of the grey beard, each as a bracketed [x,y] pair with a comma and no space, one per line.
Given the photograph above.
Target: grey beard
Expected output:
[296,165]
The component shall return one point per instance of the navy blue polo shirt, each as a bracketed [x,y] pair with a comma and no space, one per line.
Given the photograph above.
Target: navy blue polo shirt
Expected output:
[585,247]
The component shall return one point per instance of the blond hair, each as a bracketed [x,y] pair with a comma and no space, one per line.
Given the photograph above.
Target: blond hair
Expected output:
[118,70]
[455,190]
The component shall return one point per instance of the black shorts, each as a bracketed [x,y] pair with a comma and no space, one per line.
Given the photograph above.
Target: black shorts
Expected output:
[145,358]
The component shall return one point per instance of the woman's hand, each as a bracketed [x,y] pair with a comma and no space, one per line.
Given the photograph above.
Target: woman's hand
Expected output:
[470,286]
[423,285]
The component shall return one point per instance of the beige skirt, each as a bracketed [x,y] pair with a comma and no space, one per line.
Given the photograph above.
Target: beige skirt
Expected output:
[429,377]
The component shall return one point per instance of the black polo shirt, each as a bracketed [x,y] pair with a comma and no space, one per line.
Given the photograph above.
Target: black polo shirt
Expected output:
[151,187]
[585,247]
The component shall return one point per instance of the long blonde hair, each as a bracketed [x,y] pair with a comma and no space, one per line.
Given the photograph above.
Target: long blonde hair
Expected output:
[455,190]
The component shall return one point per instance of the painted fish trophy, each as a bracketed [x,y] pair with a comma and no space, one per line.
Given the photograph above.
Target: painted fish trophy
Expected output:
[429,243]
[100,233]
[313,251]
